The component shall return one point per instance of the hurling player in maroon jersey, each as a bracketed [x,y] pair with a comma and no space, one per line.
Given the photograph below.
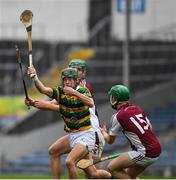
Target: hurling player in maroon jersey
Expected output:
[132,121]
[80,65]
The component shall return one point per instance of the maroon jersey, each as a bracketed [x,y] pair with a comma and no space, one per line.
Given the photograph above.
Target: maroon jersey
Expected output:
[88,85]
[132,121]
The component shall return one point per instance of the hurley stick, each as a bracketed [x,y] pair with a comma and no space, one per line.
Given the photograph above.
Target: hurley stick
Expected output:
[85,163]
[26,19]
[21,72]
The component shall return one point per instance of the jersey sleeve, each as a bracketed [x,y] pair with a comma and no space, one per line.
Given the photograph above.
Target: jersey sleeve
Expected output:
[115,126]
[55,92]
[85,91]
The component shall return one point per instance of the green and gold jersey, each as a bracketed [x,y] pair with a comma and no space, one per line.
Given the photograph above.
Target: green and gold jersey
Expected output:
[75,113]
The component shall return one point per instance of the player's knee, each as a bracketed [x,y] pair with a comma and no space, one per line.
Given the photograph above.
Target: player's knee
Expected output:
[52,151]
[69,162]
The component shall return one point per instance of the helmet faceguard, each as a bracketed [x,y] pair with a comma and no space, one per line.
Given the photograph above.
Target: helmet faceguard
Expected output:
[118,93]
[77,63]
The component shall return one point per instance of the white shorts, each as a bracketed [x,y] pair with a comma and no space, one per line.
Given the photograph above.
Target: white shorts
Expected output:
[140,159]
[99,144]
[86,138]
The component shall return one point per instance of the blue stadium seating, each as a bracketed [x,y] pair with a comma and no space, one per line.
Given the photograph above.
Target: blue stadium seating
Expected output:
[163,118]
[38,163]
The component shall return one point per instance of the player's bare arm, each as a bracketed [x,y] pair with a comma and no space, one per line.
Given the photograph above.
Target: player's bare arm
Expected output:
[46,105]
[41,104]
[38,84]
[85,99]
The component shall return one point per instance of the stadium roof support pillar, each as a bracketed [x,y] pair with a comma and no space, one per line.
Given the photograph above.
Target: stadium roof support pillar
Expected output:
[126,46]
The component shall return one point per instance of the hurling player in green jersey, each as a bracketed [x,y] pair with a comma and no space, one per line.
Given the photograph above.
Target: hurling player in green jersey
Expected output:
[73,103]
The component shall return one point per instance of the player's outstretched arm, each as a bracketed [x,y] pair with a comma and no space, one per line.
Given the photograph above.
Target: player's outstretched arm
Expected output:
[38,84]
[47,105]
[42,104]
